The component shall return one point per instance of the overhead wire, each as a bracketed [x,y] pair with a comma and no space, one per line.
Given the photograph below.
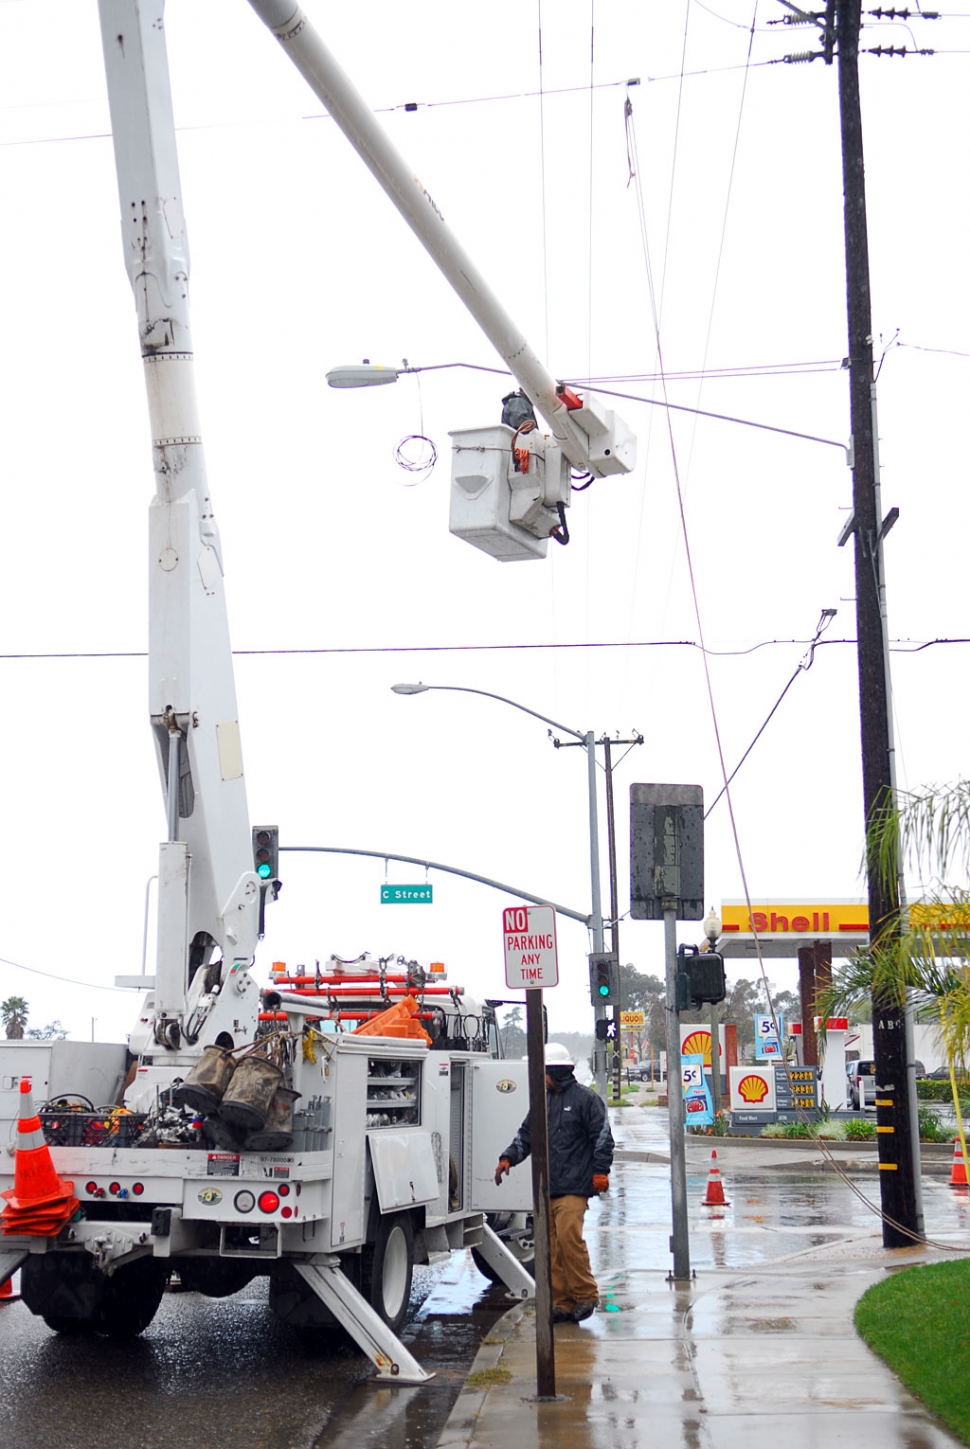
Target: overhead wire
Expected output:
[34,971]
[804,664]
[898,646]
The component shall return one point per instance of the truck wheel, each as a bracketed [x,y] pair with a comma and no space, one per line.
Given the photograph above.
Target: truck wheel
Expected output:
[387,1266]
[71,1294]
[131,1298]
[70,1327]
[522,1248]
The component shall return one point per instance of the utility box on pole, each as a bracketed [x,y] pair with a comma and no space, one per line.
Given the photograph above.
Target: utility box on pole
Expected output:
[666,852]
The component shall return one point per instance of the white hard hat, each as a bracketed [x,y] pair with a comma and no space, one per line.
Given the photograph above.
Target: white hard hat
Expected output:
[557,1055]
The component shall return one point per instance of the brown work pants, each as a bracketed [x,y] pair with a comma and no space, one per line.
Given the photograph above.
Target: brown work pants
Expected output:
[572,1281]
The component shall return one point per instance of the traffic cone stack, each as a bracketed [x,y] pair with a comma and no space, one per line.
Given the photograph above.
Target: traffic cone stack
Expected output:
[6,1291]
[715,1187]
[958,1172]
[39,1203]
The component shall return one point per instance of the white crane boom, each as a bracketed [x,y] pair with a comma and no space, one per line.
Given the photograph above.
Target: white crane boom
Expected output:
[208,891]
[591,437]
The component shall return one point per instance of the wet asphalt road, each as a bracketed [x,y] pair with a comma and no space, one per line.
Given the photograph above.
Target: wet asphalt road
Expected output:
[209,1374]
[223,1374]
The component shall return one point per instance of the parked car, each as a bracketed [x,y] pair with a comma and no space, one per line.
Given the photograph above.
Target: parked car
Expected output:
[866,1067]
[643,1072]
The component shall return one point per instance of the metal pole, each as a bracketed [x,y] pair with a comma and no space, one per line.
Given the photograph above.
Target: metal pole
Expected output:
[715,1062]
[596,914]
[172,798]
[679,1242]
[539,1129]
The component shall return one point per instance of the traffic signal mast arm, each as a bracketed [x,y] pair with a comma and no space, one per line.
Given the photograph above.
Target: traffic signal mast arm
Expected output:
[208,895]
[591,437]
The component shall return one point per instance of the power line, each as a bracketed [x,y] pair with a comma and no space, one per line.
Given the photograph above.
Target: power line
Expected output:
[898,646]
[88,985]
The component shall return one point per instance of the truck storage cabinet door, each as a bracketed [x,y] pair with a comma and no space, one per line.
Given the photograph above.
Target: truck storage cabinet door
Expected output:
[404,1169]
[500,1101]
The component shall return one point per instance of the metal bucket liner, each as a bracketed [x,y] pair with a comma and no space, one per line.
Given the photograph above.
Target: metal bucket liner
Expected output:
[254,1082]
[205,1085]
[277,1135]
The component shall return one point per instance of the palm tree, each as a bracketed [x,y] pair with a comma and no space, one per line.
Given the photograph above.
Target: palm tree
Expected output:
[924,957]
[13,1013]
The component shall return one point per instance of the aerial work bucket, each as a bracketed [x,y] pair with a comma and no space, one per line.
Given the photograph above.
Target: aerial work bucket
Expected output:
[277,1134]
[254,1082]
[205,1085]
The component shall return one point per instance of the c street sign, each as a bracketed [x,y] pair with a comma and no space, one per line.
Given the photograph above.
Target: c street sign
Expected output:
[406,895]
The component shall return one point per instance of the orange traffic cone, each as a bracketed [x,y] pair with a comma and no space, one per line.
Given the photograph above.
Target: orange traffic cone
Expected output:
[715,1187]
[39,1203]
[6,1291]
[958,1172]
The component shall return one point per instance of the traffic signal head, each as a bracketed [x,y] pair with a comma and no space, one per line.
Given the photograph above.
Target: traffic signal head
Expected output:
[705,972]
[266,851]
[604,980]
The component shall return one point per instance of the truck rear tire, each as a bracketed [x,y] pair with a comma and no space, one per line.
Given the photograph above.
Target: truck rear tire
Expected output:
[73,1296]
[387,1266]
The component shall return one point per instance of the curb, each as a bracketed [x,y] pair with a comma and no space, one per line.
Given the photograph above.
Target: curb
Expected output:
[459,1430]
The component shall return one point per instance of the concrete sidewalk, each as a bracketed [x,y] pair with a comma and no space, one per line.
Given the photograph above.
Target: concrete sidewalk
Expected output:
[734,1361]
[759,1349]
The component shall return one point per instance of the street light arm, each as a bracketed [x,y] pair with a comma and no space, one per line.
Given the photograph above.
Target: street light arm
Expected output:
[450,869]
[486,694]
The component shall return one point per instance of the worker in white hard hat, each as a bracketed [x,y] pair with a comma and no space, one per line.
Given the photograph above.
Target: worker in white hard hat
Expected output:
[580,1158]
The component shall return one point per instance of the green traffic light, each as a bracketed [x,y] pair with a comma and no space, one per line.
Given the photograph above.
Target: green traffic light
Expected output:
[263,870]
[603,990]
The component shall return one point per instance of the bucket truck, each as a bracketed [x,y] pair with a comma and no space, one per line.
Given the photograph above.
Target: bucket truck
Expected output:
[223,1145]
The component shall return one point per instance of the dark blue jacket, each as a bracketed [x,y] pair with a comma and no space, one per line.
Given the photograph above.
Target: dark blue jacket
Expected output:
[580,1140]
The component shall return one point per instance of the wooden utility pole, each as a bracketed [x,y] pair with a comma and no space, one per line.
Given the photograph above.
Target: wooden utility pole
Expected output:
[898,1147]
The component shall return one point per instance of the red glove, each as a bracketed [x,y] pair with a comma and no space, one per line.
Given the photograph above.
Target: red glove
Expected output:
[601,1183]
[502,1170]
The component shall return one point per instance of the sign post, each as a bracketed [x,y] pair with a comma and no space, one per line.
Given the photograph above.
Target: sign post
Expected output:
[667,884]
[531,961]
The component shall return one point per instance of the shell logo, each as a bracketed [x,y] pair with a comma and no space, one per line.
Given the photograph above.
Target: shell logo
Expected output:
[698,1044]
[753,1089]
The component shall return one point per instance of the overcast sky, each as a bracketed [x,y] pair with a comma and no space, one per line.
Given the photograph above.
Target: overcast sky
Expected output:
[342,577]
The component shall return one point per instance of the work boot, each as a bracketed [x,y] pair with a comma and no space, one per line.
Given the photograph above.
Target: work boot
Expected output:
[583,1310]
[561,1315]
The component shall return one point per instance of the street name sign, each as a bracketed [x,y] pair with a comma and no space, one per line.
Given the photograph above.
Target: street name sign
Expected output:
[530,947]
[406,895]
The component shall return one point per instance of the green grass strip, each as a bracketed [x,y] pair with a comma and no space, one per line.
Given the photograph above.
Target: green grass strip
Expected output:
[918,1320]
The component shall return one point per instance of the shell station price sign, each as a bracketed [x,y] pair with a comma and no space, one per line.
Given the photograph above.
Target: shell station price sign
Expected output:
[531,959]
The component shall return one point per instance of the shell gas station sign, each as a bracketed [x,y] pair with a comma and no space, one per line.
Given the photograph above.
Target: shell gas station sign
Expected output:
[782,926]
[753,1088]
